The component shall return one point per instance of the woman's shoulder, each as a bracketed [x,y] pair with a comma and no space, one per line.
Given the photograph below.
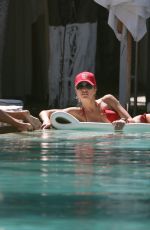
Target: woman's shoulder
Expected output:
[77,112]
[105,97]
[109,97]
[102,103]
[107,101]
[110,100]
[72,110]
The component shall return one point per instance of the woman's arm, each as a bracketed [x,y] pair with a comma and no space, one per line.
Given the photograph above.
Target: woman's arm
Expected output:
[115,105]
[45,117]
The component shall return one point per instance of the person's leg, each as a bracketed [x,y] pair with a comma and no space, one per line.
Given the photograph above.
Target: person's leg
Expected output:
[26,117]
[21,115]
[21,126]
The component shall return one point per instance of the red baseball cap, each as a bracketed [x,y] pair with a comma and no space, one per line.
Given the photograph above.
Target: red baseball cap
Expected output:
[85,77]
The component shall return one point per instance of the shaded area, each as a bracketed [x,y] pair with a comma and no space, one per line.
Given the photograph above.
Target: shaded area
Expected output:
[94,206]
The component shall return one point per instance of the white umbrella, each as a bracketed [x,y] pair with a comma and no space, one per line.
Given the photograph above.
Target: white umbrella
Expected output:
[132,14]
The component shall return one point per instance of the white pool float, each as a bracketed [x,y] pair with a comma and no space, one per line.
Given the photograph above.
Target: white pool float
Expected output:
[65,121]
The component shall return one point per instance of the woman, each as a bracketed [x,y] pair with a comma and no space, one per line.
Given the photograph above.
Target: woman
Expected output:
[21,120]
[106,109]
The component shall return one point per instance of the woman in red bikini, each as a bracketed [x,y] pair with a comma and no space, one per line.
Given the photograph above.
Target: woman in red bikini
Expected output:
[106,109]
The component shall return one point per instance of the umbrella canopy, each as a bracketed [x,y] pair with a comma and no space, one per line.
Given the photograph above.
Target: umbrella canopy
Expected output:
[132,13]
[130,16]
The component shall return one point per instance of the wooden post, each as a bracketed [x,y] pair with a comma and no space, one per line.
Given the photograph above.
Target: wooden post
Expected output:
[135,79]
[125,68]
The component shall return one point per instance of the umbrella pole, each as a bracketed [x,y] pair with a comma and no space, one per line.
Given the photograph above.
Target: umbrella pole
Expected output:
[129,60]
[135,79]
[125,68]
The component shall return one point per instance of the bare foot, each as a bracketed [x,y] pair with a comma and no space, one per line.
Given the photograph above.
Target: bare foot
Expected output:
[24,127]
[35,122]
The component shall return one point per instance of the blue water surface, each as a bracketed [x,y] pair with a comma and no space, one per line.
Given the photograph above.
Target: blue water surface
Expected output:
[74,180]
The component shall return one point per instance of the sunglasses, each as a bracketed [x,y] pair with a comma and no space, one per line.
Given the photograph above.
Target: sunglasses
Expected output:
[84,85]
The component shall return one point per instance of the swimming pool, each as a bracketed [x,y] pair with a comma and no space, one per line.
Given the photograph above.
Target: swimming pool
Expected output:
[52,180]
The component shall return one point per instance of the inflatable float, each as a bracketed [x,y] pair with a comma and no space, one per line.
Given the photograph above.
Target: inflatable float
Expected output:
[65,121]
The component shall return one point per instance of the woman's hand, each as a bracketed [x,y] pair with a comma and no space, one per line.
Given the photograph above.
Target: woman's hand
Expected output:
[119,124]
[46,125]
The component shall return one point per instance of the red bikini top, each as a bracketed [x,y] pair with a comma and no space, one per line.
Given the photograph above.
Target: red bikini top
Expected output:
[111,115]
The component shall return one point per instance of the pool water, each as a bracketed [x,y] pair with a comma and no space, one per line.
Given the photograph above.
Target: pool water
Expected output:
[71,180]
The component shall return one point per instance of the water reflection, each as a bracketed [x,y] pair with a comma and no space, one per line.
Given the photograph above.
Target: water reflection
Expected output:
[74,176]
